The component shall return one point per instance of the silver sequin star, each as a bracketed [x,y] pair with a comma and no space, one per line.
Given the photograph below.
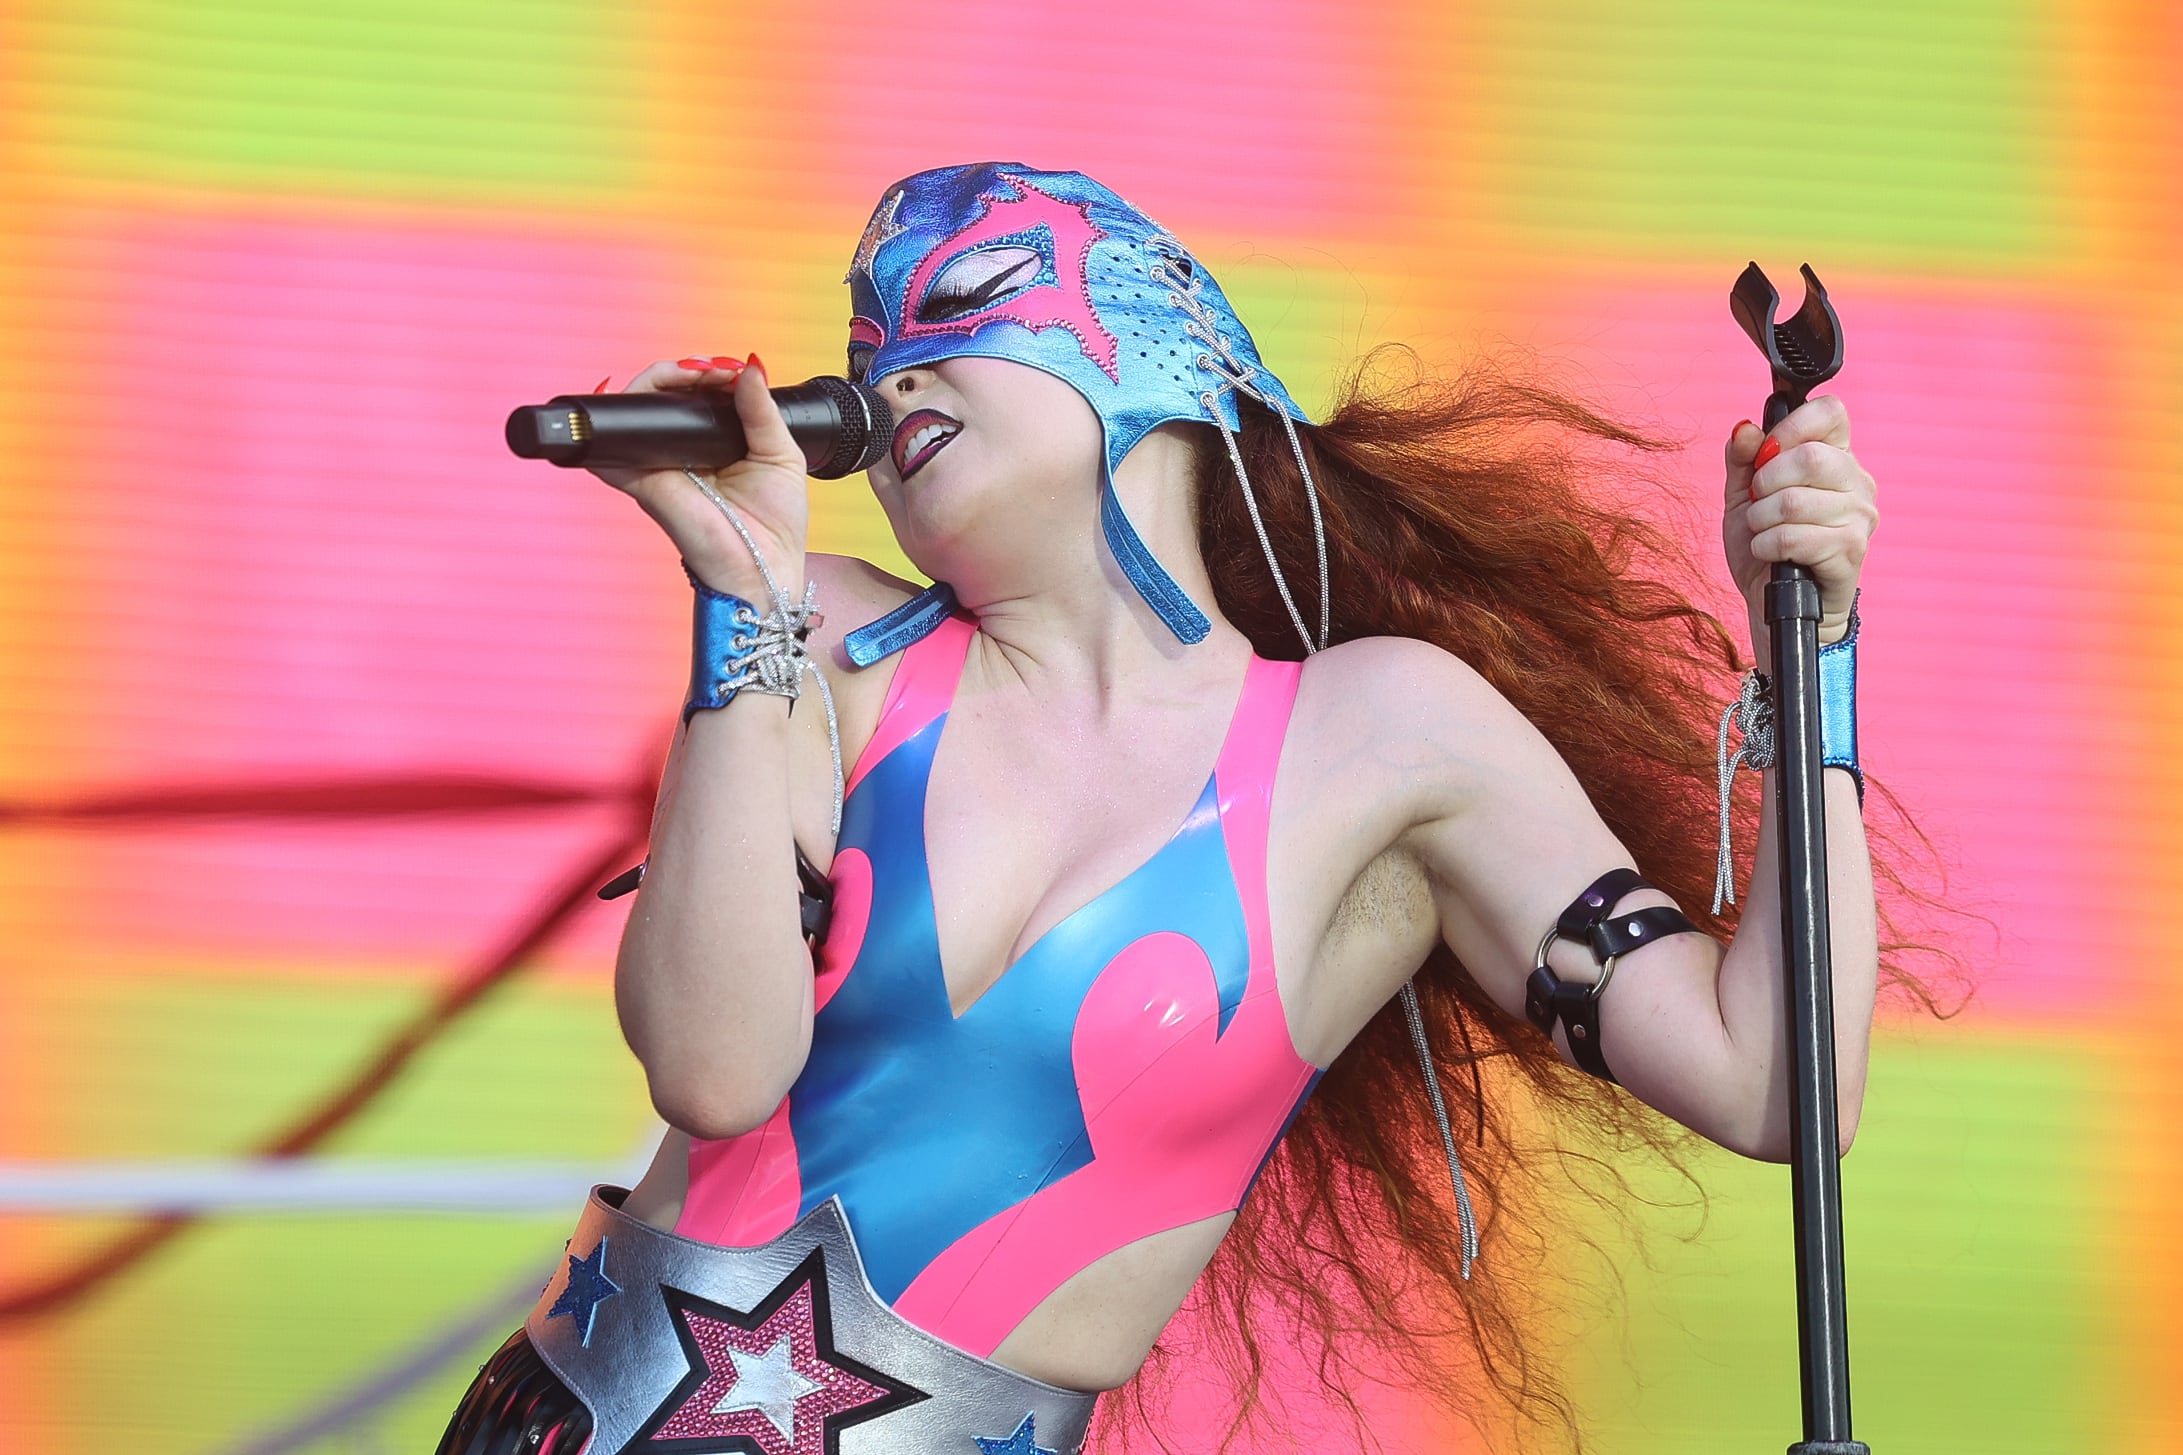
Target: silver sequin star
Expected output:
[769,1384]
[881,230]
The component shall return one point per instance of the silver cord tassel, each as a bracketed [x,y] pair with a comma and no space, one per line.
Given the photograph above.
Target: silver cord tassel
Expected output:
[1265,542]
[1183,293]
[1466,1220]
[1318,523]
[778,660]
[1752,715]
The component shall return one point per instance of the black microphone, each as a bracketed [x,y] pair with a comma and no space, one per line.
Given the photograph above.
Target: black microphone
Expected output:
[843,427]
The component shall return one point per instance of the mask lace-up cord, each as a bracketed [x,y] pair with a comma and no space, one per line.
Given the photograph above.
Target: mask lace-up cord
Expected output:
[1185,290]
[1218,358]
[777,659]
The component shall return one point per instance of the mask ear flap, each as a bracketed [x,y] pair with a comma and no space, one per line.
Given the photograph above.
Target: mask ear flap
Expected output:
[1171,602]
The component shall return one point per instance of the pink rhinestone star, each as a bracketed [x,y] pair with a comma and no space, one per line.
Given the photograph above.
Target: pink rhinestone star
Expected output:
[775,1386]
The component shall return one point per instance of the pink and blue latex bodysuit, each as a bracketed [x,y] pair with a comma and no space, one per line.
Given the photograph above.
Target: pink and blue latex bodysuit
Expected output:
[1131,1072]
[838,1275]
[1128,1074]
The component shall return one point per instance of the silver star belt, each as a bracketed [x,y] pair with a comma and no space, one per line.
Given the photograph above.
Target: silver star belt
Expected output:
[782,1349]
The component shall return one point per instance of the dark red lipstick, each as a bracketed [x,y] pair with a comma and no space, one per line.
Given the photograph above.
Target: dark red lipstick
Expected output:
[921,436]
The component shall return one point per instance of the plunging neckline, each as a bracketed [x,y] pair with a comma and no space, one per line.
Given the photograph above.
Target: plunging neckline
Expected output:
[1189,816]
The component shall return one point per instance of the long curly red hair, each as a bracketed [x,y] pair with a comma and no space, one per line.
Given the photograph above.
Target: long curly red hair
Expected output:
[1471,512]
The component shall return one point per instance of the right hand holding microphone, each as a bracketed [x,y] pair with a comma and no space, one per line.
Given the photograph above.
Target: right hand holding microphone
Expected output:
[766,487]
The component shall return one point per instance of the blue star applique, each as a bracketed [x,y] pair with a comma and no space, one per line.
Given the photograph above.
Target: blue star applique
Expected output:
[1022,1442]
[588,1287]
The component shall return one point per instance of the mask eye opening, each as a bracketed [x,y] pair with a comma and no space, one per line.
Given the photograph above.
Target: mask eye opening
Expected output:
[980,278]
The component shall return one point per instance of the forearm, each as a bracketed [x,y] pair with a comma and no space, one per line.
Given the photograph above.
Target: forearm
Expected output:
[1752,983]
[713,982]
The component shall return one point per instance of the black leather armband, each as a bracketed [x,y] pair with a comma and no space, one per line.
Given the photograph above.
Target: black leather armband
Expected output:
[814,896]
[1592,921]
[814,900]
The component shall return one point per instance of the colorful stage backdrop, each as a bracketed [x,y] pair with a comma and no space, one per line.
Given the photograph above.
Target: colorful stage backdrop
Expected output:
[313,700]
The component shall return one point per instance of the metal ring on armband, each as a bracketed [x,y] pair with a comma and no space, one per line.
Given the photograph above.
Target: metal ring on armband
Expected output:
[1591,920]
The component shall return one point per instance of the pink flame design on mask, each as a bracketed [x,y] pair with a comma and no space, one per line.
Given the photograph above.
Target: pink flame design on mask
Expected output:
[1065,303]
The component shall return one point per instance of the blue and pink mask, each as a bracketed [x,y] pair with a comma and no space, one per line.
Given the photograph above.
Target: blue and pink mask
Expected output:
[1051,269]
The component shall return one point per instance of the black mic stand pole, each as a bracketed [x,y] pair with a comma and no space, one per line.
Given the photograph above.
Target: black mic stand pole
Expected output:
[1804,352]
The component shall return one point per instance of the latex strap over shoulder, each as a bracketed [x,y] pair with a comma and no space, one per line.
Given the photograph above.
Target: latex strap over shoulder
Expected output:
[1170,601]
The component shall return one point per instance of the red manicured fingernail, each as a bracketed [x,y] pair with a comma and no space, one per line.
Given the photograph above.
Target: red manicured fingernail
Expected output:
[724,361]
[693,363]
[1754,494]
[1767,451]
[1738,428]
[754,362]
[603,383]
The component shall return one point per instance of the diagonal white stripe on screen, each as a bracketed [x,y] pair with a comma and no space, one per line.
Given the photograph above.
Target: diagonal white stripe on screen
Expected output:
[85,1187]
[488,1185]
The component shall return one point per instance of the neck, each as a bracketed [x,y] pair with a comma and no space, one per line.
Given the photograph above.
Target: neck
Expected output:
[1063,617]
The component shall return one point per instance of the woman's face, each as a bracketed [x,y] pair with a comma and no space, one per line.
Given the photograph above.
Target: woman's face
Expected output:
[989,455]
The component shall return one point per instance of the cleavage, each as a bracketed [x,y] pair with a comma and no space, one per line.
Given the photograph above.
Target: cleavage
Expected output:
[1003,876]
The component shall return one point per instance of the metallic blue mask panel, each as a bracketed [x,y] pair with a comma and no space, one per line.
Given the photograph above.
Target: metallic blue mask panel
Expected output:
[1051,269]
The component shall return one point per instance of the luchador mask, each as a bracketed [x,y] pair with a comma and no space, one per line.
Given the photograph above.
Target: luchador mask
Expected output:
[1051,269]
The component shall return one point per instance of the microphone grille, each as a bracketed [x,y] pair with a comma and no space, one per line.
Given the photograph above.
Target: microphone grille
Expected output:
[867,426]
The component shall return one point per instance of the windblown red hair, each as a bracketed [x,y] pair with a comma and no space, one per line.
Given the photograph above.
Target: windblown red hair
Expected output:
[1465,512]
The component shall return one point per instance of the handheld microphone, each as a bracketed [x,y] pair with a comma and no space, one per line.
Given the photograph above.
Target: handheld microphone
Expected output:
[842,427]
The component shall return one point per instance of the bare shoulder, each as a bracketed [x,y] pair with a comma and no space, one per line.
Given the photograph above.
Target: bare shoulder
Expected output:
[849,587]
[1416,721]
[1400,689]
[1387,735]
[851,592]
[857,577]
[1392,672]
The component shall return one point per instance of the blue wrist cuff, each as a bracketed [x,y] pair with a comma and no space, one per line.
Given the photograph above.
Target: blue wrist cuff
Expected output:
[1838,705]
[723,630]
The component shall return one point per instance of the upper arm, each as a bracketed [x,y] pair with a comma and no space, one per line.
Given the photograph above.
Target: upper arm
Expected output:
[1507,838]
[1503,830]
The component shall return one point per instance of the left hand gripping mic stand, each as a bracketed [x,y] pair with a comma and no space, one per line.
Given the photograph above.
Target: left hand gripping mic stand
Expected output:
[1803,353]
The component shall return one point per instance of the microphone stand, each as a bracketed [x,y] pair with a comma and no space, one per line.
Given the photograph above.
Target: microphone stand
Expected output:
[1802,353]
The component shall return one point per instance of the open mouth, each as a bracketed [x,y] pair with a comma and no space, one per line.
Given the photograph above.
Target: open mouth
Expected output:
[920,437]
